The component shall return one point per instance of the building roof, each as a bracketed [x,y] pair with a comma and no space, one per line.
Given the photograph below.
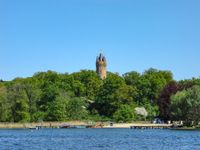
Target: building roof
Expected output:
[101,57]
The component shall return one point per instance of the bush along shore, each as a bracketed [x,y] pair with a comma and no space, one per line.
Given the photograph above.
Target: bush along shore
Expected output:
[55,97]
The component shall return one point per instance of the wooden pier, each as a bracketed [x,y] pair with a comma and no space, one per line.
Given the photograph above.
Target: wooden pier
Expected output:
[139,126]
[163,126]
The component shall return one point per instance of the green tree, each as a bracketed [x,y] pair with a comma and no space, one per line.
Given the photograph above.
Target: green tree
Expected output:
[132,78]
[5,113]
[19,101]
[89,83]
[49,84]
[149,84]
[58,109]
[105,99]
[125,95]
[186,105]
[77,109]
[33,94]
[124,114]
[152,109]
[155,81]
[77,88]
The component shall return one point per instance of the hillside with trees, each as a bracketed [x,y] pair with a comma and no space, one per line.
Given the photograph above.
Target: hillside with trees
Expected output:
[51,96]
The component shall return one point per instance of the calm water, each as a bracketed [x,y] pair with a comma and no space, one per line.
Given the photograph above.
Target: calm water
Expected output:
[86,139]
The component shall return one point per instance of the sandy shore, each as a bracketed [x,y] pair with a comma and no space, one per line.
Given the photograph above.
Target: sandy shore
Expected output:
[76,123]
[42,124]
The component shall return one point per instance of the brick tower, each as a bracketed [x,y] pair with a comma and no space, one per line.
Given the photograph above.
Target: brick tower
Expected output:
[101,66]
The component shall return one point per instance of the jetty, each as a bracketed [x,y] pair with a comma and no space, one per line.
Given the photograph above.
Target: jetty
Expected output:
[139,126]
[151,126]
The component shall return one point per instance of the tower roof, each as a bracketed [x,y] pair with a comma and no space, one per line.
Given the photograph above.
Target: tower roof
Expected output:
[101,57]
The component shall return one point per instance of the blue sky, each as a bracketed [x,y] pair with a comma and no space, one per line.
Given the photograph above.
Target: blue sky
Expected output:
[66,36]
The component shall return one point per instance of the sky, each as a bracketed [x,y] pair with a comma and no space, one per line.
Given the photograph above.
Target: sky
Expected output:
[67,35]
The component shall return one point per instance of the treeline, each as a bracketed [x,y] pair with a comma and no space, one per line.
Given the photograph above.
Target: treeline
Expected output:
[50,96]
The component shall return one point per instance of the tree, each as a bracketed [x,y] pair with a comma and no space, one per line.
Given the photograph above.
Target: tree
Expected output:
[77,88]
[89,83]
[76,109]
[188,83]
[125,95]
[19,101]
[58,97]
[58,109]
[124,114]
[106,97]
[164,102]
[49,84]
[5,113]
[132,78]
[186,105]
[155,81]
[33,94]
[149,84]
[152,109]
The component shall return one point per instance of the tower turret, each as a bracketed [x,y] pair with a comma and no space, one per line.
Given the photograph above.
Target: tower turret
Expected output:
[101,66]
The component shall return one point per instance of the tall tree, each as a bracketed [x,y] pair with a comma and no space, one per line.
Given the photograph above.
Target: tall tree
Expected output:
[19,101]
[90,82]
[33,94]
[77,109]
[105,99]
[5,113]
[186,105]
[124,114]
[156,81]
[57,110]
[164,102]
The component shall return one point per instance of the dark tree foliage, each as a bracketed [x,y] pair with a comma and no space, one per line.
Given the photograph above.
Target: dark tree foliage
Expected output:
[164,101]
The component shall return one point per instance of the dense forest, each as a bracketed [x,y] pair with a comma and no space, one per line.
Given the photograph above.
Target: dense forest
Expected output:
[51,96]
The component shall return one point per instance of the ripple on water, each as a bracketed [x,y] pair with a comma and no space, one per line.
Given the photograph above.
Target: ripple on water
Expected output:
[102,139]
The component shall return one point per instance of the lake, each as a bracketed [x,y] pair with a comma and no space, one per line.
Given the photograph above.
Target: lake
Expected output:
[97,139]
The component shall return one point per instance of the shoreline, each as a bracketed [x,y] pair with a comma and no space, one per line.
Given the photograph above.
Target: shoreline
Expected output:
[81,123]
